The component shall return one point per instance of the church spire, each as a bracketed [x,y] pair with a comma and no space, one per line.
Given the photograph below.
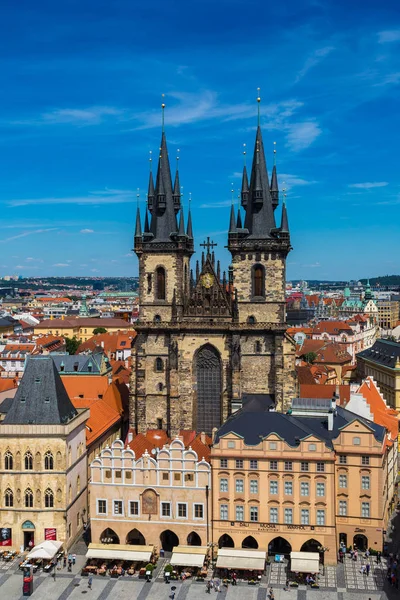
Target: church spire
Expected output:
[274,183]
[146,222]
[181,231]
[245,181]
[163,221]
[138,227]
[284,223]
[259,210]
[177,187]
[189,231]
[239,220]
[232,225]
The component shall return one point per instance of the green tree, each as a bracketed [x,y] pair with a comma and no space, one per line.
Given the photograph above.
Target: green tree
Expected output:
[99,330]
[72,344]
[310,357]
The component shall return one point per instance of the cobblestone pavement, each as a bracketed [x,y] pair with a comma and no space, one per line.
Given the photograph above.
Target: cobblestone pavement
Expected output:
[355,580]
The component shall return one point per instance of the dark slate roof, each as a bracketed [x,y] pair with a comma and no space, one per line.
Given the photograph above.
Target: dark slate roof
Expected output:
[259,219]
[7,321]
[41,398]
[80,363]
[6,405]
[254,422]
[163,221]
[383,352]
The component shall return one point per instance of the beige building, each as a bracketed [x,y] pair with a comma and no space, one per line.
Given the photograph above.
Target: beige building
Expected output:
[388,313]
[161,498]
[299,482]
[43,465]
[82,328]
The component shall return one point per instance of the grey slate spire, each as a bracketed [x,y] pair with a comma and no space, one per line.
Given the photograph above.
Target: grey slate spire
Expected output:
[274,188]
[163,221]
[239,220]
[41,398]
[150,193]
[245,187]
[138,228]
[177,192]
[189,231]
[181,231]
[232,226]
[146,222]
[260,218]
[284,223]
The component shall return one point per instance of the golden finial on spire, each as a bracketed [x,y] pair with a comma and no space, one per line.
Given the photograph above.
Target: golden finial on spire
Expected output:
[163,108]
[190,198]
[232,194]
[258,104]
[244,154]
[274,154]
[150,159]
[137,196]
[177,158]
[284,192]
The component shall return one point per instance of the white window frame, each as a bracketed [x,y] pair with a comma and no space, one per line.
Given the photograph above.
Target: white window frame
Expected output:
[343,477]
[227,512]
[254,483]
[321,513]
[364,478]
[117,514]
[304,484]
[97,506]
[131,514]
[252,462]
[288,483]
[161,510]
[256,509]
[305,516]
[343,508]
[288,515]
[194,511]
[241,485]
[239,463]
[241,507]
[177,510]
[275,518]
[319,483]
[223,479]
[275,482]
[366,505]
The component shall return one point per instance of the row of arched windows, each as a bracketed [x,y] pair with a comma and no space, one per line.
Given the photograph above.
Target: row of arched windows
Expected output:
[28,498]
[28,461]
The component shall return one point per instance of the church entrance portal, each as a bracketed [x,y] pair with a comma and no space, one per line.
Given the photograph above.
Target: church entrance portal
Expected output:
[208,375]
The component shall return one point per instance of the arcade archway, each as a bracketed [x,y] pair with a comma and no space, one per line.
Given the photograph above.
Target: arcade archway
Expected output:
[361,542]
[225,541]
[109,537]
[279,546]
[135,538]
[193,539]
[168,540]
[250,542]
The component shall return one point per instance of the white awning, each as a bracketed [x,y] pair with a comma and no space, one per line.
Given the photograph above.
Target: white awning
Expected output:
[231,558]
[46,550]
[120,552]
[304,562]
[189,556]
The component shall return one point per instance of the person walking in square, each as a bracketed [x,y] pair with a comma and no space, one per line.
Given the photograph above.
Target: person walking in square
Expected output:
[368,568]
[90,581]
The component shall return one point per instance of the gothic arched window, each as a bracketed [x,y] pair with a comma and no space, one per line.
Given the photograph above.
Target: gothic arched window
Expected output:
[159,365]
[48,461]
[8,498]
[28,498]
[48,498]
[28,461]
[8,461]
[258,281]
[258,347]
[160,288]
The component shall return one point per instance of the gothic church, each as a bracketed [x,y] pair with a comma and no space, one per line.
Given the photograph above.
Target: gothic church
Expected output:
[206,342]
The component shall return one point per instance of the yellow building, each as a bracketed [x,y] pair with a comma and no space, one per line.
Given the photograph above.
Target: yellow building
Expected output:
[158,499]
[43,465]
[81,328]
[388,313]
[281,482]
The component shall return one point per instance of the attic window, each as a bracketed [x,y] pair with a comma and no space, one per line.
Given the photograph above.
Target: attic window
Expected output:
[80,396]
[76,366]
[23,398]
[100,396]
[47,399]
[37,380]
[123,343]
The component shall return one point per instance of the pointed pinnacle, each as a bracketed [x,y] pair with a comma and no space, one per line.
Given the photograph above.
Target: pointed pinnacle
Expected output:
[232,226]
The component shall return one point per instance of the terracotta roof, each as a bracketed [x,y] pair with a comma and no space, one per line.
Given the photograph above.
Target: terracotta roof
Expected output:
[110,342]
[157,438]
[332,327]
[88,386]
[383,414]
[326,351]
[48,300]
[304,375]
[325,391]
[293,330]
[84,322]
[7,384]
[140,444]
[102,418]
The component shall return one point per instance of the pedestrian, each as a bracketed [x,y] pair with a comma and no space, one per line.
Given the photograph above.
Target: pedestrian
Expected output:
[73,559]
[172,596]
[286,588]
[351,553]
[90,581]
[69,566]
[378,558]
[234,578]
[208,587]
[217,586]
[367,553]
[65,560]
[368,568]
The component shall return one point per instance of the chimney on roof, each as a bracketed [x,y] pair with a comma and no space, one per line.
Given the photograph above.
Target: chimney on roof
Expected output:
[203,437]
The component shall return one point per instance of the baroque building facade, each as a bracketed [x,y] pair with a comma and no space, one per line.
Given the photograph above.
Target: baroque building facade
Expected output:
[206,340]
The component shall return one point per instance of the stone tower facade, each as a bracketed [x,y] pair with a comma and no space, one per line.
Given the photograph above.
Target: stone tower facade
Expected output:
[206,343]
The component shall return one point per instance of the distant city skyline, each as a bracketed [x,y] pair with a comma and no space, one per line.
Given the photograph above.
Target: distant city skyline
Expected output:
[80,111]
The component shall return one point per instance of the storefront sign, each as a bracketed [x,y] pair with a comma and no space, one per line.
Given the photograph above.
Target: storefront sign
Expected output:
[50,534]
[263,526]
[5,537]
[358,530]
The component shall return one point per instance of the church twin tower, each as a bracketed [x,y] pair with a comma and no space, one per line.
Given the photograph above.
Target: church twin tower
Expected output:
[208,343]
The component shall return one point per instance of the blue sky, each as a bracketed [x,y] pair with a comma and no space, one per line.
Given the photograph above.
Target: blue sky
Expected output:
[80,111]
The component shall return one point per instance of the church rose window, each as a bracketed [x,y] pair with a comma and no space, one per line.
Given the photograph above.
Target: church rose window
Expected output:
[160,276]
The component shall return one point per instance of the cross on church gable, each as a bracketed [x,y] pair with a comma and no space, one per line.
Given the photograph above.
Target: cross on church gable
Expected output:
[207,244]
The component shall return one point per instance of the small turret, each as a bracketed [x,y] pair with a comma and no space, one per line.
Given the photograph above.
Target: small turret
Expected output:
[245,188]
[150,193]
[181,231]
[189,231]
[284,223]
[232,225]
[239,220]
[138,227]
[177,189]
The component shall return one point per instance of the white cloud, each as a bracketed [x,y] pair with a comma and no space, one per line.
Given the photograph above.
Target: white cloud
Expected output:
[92,115]
[315,58]
[302,135]
[95,270]
[86,231]
[290,181]
[312,266]
[390,35]
[219,204]
[369,185]
[61,265]
[107,196]
[25,233]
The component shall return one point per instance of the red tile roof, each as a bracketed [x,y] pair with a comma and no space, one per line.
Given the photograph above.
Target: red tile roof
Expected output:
[383,414]
[156,438]
[102,418]
[110,342]
[326,351]
[325,391]
[333,327]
